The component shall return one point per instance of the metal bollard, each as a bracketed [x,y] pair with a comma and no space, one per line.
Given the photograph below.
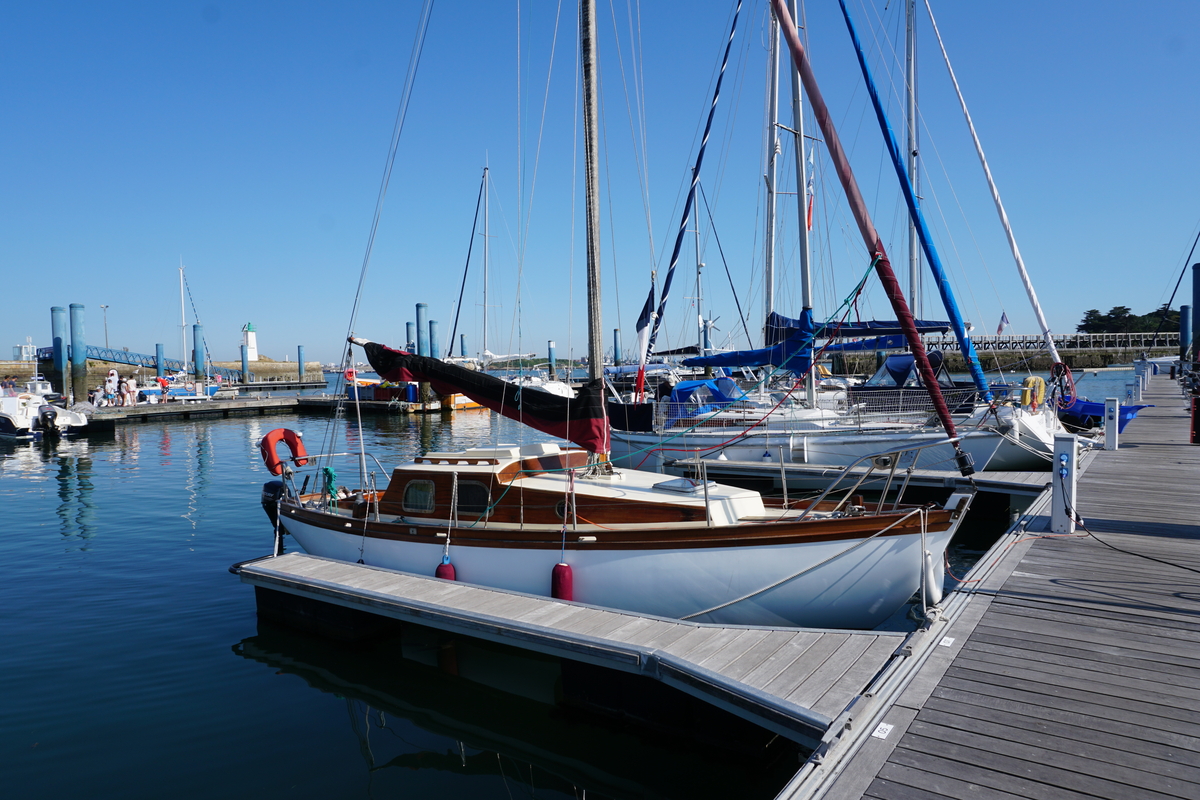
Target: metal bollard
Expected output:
[1112,422]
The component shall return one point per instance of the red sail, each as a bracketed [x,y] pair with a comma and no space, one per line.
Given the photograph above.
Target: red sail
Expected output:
[578,419]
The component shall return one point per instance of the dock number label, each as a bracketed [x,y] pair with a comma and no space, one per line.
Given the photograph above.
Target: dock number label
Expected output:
[882,731]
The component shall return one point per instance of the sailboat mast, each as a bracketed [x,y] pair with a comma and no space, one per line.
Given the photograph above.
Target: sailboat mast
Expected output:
[485,261]
[591,146]
[910,71]
[182,320]
[802,200]
[1012,240]
[699,285]
[772,155]
[866,227]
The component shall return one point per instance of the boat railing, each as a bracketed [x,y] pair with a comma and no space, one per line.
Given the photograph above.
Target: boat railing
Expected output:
[888,462]
[910,404]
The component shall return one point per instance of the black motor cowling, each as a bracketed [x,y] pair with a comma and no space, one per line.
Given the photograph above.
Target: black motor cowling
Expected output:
[272,493]
[47,419]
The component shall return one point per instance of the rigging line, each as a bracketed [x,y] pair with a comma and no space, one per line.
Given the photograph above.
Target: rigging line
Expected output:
[691,196]
[713,226]
[612,236]
[537,153]
[414,61]
[1167,308]
[470,247]
[638,158]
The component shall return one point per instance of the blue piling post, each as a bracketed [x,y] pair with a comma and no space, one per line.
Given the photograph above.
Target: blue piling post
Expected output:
[78,354]
[198,352]
[462,345]
[617,346]
[160,361]
[410,337]
[422,330]
[553,365]
[245,364]
[1185,332]
[434,349]
[58,331]
[300,362]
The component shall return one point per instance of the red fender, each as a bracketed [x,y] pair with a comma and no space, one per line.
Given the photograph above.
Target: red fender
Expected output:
[270,452]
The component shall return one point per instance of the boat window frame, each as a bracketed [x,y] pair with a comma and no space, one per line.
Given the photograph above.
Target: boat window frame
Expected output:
[479,513]
[432,496]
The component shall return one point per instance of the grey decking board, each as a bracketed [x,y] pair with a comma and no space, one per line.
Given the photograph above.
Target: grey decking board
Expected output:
[1108,651]
[898,787]
[795,673]
[933,771]
[855,678]
[1047,768]
[1131,636]
[756,656]
[1083,740]
[1071,658]
[1091,705]
[733,651]
[775,664]
[830,671]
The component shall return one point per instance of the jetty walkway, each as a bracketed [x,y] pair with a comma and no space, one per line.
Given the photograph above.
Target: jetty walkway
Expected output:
[1074,670]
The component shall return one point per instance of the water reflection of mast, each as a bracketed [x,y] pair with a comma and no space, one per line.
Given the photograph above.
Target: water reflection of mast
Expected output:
[197,470]
[76,511]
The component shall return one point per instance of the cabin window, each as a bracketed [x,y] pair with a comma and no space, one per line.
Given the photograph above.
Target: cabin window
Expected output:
[418,497]
[473,498]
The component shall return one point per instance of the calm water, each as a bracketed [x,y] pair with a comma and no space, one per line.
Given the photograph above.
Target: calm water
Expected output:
[133,664]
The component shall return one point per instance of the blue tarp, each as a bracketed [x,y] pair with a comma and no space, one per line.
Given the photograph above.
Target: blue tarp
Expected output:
[779,327]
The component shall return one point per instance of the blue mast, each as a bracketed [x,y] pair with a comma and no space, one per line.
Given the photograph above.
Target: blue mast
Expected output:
[931,254]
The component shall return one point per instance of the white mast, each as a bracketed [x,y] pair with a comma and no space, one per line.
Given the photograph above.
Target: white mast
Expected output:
[182,320]
[485,263]
[910,71]
[1012,240]
[699,284]
[772,154]
[806,296]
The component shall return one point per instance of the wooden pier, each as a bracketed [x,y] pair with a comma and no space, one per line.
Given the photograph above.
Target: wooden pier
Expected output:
[105,419]
[796,682]
[1072,669]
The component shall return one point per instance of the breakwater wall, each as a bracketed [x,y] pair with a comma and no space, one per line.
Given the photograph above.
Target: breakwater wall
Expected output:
[866,364]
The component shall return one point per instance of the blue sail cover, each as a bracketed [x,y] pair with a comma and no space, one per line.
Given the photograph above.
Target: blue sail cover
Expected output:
[791,342]
[779,327]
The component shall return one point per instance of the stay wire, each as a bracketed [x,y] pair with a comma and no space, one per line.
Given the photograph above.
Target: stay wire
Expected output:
[713,227]
[1167,307]
[467,266]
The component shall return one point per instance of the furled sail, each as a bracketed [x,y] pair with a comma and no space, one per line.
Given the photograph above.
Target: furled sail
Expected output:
[578,419]
[779,327]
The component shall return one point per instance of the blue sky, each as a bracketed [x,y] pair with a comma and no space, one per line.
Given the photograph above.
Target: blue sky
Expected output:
[249,140]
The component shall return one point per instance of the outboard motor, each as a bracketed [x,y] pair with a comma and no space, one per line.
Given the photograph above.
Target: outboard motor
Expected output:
[48,419]
[272,492]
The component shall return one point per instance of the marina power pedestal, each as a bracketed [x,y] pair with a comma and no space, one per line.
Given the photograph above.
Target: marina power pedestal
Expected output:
[1112,424]
[1062,496]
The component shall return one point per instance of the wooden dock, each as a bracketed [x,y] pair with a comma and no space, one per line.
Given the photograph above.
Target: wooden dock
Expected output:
[1072,669]
[796,682]
[105,419]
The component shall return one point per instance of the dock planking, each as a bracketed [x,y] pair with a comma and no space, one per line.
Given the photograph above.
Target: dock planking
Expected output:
[1079,678]
[792,681]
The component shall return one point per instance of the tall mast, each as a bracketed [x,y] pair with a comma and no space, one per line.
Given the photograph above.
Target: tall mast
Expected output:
[699,285]
[866,227]
[182,319]
[1012,239]
[806,295]
[772,155]
[485,260]
[591,148]
[910,71]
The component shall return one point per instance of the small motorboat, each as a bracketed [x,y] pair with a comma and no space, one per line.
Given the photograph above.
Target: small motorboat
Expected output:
[37,411]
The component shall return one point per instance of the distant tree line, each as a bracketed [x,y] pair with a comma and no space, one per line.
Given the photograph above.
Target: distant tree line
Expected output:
[1121,319]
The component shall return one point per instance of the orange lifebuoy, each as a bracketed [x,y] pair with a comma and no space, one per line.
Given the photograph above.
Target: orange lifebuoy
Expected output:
[270,454]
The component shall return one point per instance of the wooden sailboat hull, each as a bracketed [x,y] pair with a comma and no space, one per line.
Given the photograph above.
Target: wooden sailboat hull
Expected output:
[827,576]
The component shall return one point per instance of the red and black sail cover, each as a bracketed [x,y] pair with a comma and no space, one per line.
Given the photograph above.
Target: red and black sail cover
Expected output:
[578,419]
